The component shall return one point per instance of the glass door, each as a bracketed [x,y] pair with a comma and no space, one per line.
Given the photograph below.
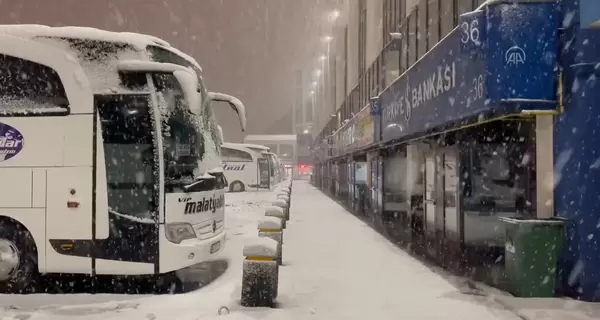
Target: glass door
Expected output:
[264,173]
[451,181]
[430,203]
[452,223]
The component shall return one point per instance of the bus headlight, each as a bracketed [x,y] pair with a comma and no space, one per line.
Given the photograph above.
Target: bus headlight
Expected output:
[177,232]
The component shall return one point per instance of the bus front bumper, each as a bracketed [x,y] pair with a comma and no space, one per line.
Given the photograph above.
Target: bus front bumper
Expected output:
[175,256]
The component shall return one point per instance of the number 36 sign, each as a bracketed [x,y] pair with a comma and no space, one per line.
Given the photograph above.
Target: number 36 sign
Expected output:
[472,31]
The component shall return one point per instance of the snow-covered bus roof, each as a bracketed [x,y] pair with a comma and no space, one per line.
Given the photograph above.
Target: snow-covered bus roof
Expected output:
[249,145]
[236,146]
[270,137]
[137,40]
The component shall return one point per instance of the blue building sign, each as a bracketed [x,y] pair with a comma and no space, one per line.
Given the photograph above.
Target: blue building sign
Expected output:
[486,67]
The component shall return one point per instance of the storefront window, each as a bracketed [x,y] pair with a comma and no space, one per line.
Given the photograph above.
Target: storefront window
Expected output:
[496,184]
[395,191]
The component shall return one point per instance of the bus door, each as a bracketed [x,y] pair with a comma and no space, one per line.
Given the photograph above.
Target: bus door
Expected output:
[264,173]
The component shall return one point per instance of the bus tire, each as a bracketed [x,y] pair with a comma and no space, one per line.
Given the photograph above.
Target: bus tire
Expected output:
[21,276]
[237,186]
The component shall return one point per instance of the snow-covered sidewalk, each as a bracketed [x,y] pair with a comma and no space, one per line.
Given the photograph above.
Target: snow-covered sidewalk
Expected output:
[335,268]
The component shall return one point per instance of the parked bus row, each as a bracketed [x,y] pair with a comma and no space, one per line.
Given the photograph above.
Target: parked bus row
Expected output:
[109,154]
[250,166]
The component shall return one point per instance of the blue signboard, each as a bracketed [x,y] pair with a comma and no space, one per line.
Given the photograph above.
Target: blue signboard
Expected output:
[487,66]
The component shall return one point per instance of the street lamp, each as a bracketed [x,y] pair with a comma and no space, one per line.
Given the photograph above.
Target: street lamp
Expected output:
[318,73]
[334,15]
[305,131]
[322,57]
[327,39]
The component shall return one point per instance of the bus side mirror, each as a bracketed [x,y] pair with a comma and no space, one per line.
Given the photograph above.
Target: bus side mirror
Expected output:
[234,103]
[189,85]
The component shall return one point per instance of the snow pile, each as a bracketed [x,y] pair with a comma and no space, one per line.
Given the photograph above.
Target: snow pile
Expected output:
[272,211]
[261,247]
[269,223]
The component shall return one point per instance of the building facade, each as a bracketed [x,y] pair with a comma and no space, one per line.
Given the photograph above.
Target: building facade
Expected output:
[453,114]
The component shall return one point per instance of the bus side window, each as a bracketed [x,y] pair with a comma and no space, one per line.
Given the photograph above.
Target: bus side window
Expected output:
[235,155]
[26,85]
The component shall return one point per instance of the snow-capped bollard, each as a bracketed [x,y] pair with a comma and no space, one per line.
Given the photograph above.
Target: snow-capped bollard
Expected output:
[285,198]
[285,190]
[260,273]
[284,206]
[287,193]
[270,227]
[277,212]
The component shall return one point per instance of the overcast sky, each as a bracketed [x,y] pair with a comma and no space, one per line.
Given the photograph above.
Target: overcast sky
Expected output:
[247,48]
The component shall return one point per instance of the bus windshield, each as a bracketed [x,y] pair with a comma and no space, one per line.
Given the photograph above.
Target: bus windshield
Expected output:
[183,140]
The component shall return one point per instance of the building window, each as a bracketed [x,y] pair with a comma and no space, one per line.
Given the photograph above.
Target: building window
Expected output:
[446,17]
[392,64]
[386,21]
[403,48]
[421,28]
[400,11]
[412,38]
[433,23]
[362,36]
[463,6]
[346,61]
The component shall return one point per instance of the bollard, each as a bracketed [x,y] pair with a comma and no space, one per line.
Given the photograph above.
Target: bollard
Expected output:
[282,191]
[284,206]
[288,193]
[287,202]
[284,198]
[270,227]
[285,191]
[277,212]
[260,273]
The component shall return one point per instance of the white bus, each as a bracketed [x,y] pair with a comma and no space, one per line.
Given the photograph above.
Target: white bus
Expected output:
[102,182]
[274,161]
[244,168]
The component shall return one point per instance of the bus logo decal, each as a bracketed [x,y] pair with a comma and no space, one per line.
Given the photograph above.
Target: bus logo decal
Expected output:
[11,142]
[228,167]
[205,205]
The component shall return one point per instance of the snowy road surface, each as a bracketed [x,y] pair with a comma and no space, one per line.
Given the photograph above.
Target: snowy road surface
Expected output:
[335,267]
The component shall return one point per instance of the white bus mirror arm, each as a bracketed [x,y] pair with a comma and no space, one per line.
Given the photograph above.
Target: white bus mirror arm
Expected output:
[234,103]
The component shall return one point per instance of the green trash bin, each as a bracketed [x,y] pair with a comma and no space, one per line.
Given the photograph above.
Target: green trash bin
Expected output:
[532,247]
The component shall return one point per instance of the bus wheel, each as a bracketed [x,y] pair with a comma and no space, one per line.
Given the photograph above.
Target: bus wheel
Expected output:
[18,259]
[237,186]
